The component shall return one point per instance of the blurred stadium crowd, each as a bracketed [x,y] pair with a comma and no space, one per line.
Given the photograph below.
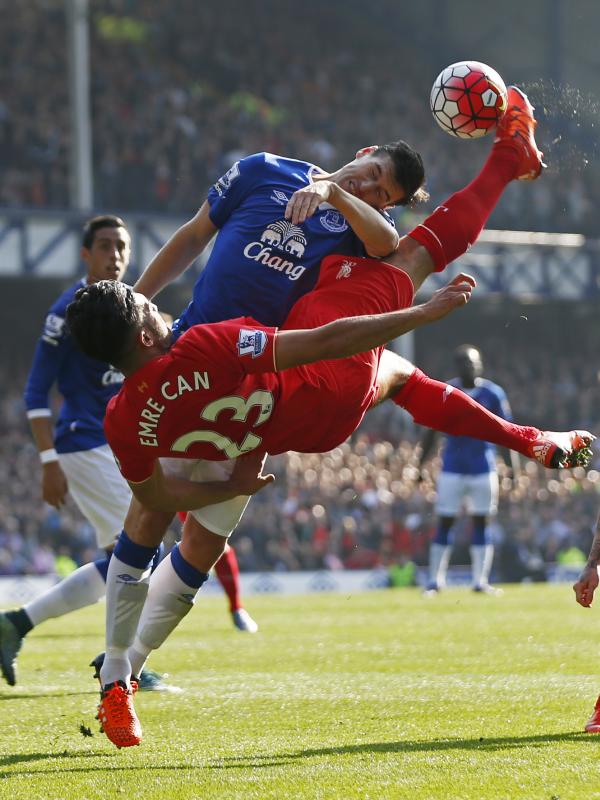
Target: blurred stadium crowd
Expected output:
[178,97]
[363,505]
[176,100]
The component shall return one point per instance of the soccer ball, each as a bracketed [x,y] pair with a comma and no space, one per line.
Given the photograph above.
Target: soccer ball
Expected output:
[467,99]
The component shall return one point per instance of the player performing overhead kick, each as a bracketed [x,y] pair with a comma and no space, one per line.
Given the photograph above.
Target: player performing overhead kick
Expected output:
[76,458]
[231,388]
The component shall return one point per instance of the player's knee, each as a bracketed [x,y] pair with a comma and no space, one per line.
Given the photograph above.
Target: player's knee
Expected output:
[414,259]
[201,547]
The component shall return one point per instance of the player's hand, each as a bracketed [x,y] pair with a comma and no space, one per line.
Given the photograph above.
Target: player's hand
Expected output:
[586,585]
[247,473]
[303,203]
[453,295]
[54,484]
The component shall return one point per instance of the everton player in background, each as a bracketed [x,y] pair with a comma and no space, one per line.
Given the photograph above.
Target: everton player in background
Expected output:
[442,237]
[468,474]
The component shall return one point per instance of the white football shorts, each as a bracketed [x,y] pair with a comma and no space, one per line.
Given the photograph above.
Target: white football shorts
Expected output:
[478,494]
[220,518]
[99,490]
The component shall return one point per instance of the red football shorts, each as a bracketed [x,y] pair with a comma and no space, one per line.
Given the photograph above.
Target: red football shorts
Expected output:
[346,387]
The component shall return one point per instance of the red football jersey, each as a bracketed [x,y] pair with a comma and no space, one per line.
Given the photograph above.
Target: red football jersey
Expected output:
[216,394]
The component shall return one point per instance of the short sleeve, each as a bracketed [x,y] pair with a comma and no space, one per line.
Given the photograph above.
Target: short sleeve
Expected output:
[234,186]
[241,346]
[135,462]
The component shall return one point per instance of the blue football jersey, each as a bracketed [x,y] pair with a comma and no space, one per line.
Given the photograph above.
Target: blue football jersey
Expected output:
[85,384]
[467,456]
[260,263]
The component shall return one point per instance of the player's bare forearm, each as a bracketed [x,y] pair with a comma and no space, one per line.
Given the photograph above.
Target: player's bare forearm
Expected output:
[594,556]
[352,335]
[168,493]
[54,481]
[375,232]
[42,430]
[186,244]
[587,583]
[427,442]
[378,236]
[178,494]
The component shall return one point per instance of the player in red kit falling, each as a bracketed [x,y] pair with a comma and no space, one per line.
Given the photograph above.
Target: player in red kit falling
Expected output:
[220,392]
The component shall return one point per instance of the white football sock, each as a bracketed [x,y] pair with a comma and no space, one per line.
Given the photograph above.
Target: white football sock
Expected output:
[169,600]
[126,590]
[482,556]
[439,556]
[81,588]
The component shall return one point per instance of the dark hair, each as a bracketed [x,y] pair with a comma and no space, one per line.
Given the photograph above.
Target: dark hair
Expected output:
[103,319]
[463,351]
[95,223]
[409,171]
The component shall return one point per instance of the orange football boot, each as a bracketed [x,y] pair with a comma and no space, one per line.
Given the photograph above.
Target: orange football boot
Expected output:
[117,716]
[517,126]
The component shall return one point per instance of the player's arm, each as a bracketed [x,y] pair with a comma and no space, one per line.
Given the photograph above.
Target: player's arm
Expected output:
[379,237]
[161,492]
[351,335]
[54,481]
[512,460]
[178,253]
[587,583]
[48,357]
[428,442]
[510,457]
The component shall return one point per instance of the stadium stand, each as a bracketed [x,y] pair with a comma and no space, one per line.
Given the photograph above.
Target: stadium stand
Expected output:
[164,129]
[168,126]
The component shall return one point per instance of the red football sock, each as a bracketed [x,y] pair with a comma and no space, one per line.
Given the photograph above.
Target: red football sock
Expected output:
[455,225]
[445,408]
[228,572]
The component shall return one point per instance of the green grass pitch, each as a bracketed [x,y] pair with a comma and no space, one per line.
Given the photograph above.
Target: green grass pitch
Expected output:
[376,695]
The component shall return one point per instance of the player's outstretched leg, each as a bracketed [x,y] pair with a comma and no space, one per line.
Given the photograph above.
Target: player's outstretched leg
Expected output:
[117,716]
[456,224]
[445,408]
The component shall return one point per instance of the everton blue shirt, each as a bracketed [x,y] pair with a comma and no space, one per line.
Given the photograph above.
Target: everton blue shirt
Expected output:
[85,384]
[260,263]
[467,456]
